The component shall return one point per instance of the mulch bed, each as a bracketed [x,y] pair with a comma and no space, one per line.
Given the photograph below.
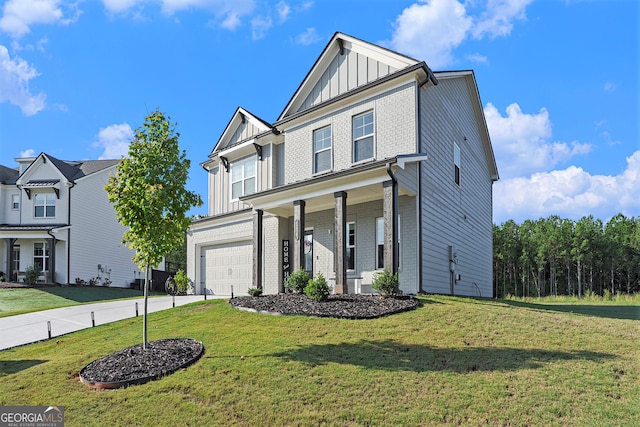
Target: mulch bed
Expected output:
[340,306]
[133,365]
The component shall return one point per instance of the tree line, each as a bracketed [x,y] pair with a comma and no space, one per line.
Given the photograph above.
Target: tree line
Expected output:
[556,256]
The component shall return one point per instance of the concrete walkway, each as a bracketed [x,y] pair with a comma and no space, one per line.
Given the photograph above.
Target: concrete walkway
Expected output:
[33,327]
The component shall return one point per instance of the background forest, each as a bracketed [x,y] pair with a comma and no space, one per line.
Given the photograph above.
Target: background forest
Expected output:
[555,256]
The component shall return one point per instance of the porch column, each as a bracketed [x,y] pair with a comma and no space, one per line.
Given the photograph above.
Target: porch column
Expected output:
[257,248]
[390,214]
[52,259]
[298,234]
[9,243]
[340,242]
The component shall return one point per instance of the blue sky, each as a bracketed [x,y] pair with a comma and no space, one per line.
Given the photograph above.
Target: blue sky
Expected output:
[558,80]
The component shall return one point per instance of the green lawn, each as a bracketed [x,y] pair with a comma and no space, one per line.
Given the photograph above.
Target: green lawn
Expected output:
[453,361]
[25,300]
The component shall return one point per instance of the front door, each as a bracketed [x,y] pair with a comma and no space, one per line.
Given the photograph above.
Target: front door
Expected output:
[308,252]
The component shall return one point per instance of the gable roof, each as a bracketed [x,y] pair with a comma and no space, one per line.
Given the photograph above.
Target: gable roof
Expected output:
[345,64]
[72,170]
[8,175]
[242,127]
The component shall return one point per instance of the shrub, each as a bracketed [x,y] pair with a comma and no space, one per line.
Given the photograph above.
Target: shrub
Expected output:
[297,281]
[318,289]
[255,292]
[31,275]
[80,282]
[385,283]
[182,281]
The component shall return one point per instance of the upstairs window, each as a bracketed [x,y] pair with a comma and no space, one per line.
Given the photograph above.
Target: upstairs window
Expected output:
[45,205]
[322,150]
[243,177]
[363,137]
[456,164]
[15,202]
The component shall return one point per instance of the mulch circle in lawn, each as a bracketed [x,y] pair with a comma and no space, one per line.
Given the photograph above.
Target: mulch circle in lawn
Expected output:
[133,365]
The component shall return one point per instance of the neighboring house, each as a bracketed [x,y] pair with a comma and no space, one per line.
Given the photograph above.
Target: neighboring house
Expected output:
[376,162]
[56,215]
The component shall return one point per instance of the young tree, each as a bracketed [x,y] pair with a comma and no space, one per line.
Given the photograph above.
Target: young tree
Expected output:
[149,196]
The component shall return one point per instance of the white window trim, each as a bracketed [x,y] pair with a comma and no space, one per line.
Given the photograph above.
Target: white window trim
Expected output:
[352,247]
[15,200]
[457,168]
[380,218]
[46,256]
[45,205]
[242,162]
[314,152]
[372,135]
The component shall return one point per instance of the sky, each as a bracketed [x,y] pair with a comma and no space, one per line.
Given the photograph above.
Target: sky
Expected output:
[558,81]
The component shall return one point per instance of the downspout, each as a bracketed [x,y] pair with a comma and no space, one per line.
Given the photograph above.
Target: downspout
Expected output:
[53,254]
[69,234]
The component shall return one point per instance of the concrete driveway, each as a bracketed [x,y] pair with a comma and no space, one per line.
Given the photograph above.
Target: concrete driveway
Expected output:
[33,327]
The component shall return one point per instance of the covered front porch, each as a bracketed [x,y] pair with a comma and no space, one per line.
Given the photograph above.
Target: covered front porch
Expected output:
[374,186]
[43,247]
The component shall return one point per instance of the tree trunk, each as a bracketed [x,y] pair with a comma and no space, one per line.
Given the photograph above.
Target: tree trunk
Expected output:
[144,315]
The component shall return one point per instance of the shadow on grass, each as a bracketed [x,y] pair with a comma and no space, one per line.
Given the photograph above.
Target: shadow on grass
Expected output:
[393,356]
[8,367]
[89,294]
[628,312]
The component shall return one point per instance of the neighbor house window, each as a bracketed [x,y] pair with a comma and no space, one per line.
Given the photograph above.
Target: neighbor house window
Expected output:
[243,177]
[363,137]
[456,163]
[322,150]
[41,256]
[380,242]
[351,246]
[15,202]
[45,205]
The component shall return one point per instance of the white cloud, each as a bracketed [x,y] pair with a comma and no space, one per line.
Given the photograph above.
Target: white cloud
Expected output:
[570,193]
[119,6]
[283,10]
[115,140]
[29,152]
[476,57]
[15,74]
[19,15]
[259,27]
[609,87]
[522,142]
[431,31]
[496,20]
[310,36]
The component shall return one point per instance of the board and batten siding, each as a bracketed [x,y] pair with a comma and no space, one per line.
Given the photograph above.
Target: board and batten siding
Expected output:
[452,215]
[96,235]
[394,112]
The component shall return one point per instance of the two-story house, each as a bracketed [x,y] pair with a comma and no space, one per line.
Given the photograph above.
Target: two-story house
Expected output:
[56,215]
[376,162]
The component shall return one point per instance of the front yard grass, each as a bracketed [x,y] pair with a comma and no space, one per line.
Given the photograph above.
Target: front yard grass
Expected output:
[453,361]
[24,300]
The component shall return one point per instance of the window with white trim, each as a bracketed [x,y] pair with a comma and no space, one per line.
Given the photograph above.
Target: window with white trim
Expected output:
[243,177]
[351,246]
[41,255]
[322,157]
[15,202]
[44,205]
[363,137]
[380,242]
[456,163]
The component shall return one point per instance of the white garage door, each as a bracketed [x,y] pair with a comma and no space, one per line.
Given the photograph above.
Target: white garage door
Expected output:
[224,266]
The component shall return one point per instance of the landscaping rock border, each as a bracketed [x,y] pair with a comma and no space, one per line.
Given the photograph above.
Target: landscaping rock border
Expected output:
[351,306]
[133,365]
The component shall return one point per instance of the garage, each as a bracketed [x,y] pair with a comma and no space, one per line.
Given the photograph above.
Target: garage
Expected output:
[227,265]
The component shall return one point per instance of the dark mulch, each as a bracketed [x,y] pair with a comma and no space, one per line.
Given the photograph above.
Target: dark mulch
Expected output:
[341,306]
[133,365]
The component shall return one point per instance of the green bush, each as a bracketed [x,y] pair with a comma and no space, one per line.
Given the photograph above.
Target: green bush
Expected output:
[318,289]
[297,281]
[182,281]
[31,275]
[385,283]
[255,292]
